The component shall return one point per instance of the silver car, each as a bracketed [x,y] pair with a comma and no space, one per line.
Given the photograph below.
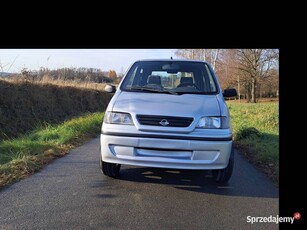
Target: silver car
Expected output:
[168,114]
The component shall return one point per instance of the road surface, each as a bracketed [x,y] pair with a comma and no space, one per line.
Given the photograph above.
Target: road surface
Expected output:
[72,193]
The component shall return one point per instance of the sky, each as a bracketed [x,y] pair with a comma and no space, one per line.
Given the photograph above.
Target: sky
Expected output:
[14,60]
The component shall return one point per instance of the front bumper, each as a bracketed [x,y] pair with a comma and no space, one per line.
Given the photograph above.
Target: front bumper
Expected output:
[166,151]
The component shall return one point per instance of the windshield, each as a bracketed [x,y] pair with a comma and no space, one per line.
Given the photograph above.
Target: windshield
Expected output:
[176,77]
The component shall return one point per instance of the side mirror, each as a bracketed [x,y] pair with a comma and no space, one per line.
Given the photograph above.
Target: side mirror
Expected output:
[230,93]
[110,88]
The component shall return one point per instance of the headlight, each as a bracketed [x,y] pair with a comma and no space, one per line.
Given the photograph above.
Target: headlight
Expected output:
[213,123]
[118,118]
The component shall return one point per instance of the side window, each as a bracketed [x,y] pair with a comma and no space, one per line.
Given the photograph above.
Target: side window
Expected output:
[136,77]
[132,77]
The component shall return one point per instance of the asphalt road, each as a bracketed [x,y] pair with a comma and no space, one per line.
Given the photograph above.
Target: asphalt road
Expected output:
[72,193]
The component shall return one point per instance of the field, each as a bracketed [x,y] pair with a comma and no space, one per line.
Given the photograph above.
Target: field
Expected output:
[256,134]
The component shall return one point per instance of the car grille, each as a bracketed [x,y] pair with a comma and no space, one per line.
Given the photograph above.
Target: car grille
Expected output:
[167,121]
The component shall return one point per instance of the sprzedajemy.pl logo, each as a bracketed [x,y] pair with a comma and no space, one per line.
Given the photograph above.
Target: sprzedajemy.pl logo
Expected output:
[273,219]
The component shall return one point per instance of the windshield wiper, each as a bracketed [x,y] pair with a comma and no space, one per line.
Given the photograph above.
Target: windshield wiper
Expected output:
[202,93]
[141,88]
[155,90]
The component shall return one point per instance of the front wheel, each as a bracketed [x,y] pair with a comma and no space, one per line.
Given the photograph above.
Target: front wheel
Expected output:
[109,169]
[223,175]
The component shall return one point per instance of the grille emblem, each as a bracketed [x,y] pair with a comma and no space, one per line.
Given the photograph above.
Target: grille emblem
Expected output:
[164,122]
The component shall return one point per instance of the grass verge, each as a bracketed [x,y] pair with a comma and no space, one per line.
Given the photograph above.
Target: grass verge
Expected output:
[256,134]
[25,155]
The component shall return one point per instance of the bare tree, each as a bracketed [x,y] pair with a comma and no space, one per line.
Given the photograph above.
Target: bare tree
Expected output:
[254,72]
[209,55]
[4,65]
[255,64]
[226,68]
[215,53]
[187,53]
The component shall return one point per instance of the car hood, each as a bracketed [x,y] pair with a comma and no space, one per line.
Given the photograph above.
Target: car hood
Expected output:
[185,105]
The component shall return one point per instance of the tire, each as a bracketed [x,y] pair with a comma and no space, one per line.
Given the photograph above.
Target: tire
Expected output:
[109,169]
[223,175]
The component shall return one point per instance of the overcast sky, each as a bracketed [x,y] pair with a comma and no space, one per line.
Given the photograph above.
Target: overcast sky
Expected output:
[13,60]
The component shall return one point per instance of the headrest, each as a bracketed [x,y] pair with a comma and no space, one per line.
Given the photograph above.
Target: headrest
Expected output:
[186,80]
[154,79]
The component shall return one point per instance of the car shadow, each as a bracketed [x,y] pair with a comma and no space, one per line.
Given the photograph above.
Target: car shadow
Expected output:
[246,180]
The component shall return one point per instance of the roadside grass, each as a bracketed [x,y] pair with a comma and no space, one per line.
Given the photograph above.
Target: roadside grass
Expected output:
[23,156]
[256,134]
